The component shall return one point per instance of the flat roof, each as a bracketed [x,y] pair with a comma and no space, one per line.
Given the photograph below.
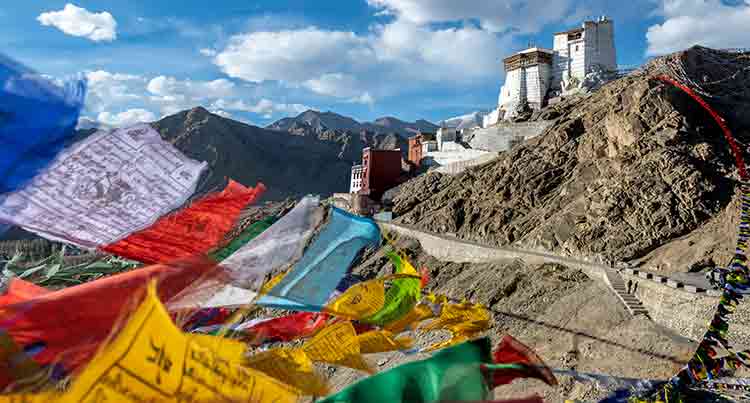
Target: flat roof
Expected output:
[571,31]
[530,50]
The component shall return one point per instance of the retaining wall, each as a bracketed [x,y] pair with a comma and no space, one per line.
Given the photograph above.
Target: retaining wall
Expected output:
[498,137]
[456,168]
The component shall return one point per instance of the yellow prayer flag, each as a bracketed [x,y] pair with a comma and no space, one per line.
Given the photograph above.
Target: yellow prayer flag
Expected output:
[337,344]
[465,321]
[152,360]
[418,314]
[38,397]
[379,341]
[359,301]
[292,366]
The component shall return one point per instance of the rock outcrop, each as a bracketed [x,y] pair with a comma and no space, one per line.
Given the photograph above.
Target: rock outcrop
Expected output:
[622,171]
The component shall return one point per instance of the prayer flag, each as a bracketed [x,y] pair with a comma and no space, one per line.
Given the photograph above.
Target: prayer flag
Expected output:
[450,374]
[104,188]
[270,252]
[291,366]
[241,240]
[337,344]
[464,321]
[379,341]
[20,290]
[70,324]
[152,360]
[191,231]
[37,120]
[313,279]
[512,351]
[359,301]
[402,295]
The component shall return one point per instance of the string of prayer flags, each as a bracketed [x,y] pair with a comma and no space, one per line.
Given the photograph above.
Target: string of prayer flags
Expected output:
[465,321]
[152,360]
[452,374]
[313,279]
[337,344]
[379,341]
[402,295]
[194,230]
[37,121]
[94,308]
[429,307]
[269,253]
[703,365]
[103,188]
[291,366]
[252,231]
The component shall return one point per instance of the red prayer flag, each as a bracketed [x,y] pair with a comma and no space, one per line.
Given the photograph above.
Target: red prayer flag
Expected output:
[512,351]
[70,324]
[19,291]
[192,231]
[286,328]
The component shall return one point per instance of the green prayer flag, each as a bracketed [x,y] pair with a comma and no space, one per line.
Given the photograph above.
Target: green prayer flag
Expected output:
[246,236]
[450,374]
[401,297]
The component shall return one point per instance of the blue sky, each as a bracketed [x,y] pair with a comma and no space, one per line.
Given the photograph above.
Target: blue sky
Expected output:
[258,61]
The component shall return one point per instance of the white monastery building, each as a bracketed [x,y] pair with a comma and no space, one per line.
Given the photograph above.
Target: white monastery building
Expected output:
[530,75]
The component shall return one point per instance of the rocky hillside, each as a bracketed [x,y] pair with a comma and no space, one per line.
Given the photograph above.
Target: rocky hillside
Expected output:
[622,172]
[314,123]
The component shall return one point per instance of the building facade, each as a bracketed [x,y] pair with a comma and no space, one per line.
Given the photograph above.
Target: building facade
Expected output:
[357,176]
[419,146]
[380,170]
[579,51]
[532,73]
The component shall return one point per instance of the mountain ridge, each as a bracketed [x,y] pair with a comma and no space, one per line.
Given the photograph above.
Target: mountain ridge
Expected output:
[316,122]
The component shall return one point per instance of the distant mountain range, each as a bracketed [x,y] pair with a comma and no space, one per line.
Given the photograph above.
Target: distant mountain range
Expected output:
[315,122]
[313,155]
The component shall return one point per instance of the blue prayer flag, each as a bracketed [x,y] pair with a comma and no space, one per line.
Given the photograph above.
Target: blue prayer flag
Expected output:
[37,120]
[312,280]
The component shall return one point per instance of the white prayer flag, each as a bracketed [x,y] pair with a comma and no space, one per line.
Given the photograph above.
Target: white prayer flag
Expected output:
[104,188]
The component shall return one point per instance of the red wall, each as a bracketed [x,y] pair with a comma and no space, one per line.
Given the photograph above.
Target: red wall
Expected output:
[382,171]
[415,150]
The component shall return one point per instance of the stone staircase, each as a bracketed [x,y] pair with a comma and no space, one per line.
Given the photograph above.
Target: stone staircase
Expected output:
[632,304]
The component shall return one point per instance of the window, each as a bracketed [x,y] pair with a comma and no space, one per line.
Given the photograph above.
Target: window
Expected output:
[576,48]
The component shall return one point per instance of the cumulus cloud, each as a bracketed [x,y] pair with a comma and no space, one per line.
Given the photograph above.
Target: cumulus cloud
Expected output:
[106,89]
[524,16]
[711,23]
[126,118]
[77,21]
[147,98]
[361,68]
[290,55]
[263,107]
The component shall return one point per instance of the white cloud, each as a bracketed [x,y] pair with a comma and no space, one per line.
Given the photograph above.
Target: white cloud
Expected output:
[126,118]
[263,107]
[77,21]
[207,52]
[365,99]
[709,23]
[344,65]
[106,89]
[290,55]
[524,16]
[170,87]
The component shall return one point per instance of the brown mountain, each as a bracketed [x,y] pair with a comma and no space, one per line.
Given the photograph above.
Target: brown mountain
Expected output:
[289,165]
[635,170]
[313,122]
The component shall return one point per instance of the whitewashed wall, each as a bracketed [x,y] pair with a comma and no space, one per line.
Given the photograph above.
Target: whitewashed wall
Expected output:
[510,93]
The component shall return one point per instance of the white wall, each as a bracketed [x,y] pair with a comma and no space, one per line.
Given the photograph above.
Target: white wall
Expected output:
[357,175]
[510,94]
